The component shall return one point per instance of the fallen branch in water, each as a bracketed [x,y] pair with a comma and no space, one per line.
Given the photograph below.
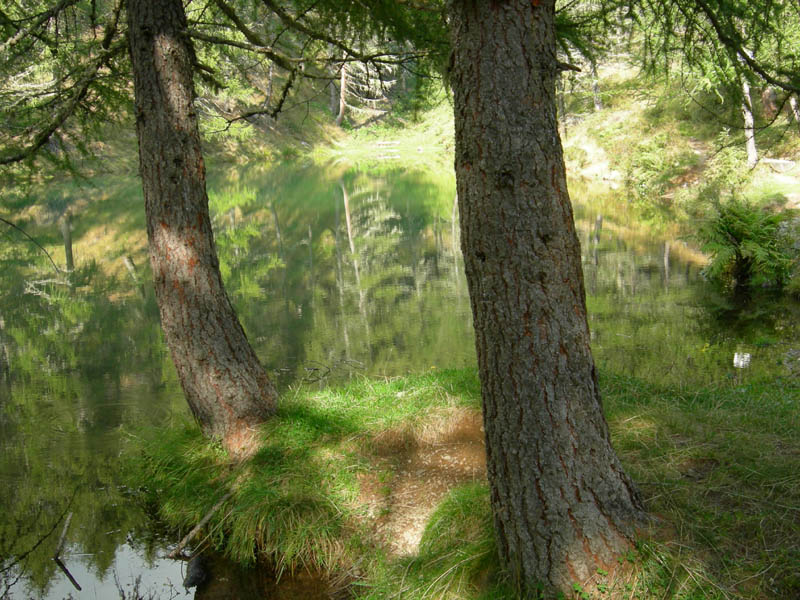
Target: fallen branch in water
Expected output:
[60,546]
[61,540]
[63,567]
[21,557]
[190,536]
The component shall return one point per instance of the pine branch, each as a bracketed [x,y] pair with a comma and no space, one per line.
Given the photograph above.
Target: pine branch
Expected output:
[737,47]
[43,18]
[79,90]
[281,60]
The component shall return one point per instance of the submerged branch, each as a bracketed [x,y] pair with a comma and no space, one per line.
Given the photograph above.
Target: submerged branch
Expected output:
[190,536]
[57,558]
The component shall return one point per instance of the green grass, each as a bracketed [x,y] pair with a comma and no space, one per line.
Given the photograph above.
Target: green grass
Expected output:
[718,467]
[426,143]
[296,500]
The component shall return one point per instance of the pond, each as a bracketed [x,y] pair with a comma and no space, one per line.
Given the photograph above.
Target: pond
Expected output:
[336,272]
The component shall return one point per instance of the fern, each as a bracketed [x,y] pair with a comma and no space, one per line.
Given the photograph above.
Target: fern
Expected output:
[749,246]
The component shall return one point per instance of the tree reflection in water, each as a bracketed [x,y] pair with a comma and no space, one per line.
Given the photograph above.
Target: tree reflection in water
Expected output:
[334,272]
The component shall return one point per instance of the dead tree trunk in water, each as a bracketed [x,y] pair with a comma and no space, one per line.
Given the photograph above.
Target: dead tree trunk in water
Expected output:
[562,504]
[226,387]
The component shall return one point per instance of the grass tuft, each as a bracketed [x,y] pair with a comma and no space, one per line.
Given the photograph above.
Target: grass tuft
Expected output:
[718,468]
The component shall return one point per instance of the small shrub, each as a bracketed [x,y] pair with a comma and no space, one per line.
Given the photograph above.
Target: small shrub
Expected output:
[749,246]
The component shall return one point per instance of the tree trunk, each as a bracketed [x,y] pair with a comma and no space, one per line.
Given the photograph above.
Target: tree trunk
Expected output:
[795,109]
[66,234]
[563,506]
[598,101]
[334,98]
[226,387]
[270,83]
[769,103]
[342,94]
[749,125]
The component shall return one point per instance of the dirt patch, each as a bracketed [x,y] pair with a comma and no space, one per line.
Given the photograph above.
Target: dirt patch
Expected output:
[414,470]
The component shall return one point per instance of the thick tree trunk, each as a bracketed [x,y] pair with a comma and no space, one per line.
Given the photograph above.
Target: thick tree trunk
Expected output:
[227,388]
[562,504]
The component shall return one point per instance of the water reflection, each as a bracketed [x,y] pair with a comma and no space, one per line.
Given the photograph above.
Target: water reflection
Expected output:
[653,316]
[333,272]
[225,580]
[338,272]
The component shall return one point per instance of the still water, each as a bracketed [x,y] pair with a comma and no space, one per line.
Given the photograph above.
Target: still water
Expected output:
[335,272]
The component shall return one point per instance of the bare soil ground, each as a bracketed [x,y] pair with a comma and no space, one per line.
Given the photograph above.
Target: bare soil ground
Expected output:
[414,472]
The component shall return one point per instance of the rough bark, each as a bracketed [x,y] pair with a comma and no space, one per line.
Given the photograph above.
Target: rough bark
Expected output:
[563,506]
[226,387]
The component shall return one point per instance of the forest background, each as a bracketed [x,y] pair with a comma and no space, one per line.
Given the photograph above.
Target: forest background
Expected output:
[679,153]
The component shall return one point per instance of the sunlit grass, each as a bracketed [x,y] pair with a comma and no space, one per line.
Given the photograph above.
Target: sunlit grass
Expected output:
[717,471]
[296,500]
[718,468]
[426,144]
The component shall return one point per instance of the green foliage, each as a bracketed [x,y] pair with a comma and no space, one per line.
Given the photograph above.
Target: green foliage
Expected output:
[726,171]
[55,95]
[587,28]
[749,246]
[720,42]
[652,165]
